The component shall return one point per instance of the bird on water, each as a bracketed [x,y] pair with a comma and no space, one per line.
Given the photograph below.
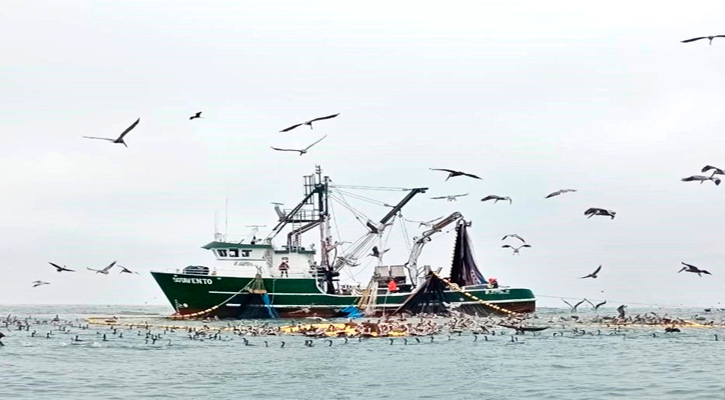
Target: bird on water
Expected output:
[309,123]
[120,138]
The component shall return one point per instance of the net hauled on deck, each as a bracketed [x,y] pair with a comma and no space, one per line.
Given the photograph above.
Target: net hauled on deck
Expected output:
[429,297]
[464,270]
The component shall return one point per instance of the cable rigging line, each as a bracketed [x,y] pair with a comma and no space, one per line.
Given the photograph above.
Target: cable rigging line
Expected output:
[381,188]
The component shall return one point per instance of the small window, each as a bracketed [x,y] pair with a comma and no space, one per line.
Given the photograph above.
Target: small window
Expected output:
[221,253]
[234,253]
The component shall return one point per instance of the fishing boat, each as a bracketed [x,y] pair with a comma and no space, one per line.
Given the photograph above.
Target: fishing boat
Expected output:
[253,278]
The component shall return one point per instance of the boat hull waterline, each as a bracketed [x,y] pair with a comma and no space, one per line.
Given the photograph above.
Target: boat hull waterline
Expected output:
[300,297]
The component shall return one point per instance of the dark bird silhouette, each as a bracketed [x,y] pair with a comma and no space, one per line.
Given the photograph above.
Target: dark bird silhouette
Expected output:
[302,151]
[702,37]
[515,249]
[453,173]
[559,192]
[496,198]
[58,268]
[376,252]
[593,274]
[621,310]
[599,211]
[573,307]
[450,197]
[715,170]
[701,179]
[672,329]
[40,283]
[195,116]
[514,236]
[125,270]
[309,122]
[120,138]
[693,269]
[104,270]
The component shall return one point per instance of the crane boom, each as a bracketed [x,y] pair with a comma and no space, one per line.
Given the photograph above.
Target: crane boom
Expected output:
[362,246]
[420,242]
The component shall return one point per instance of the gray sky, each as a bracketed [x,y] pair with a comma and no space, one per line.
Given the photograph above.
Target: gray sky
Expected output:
[533,96]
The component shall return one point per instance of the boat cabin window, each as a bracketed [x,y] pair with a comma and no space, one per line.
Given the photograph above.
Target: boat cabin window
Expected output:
[221,253]
[234,253]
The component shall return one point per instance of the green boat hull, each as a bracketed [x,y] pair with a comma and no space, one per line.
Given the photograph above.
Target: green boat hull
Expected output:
[226,297]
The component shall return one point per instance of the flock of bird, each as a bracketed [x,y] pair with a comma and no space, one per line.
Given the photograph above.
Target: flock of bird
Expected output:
[590,212]
[103,271]
[404,330]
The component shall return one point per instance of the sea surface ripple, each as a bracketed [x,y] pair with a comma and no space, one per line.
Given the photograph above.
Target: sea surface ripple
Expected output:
[636,365]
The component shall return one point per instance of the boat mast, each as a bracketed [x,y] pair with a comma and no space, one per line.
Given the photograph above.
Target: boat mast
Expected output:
[308,213]
[325,236]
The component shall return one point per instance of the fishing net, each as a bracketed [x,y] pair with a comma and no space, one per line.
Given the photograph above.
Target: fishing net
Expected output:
[464,270]
[428,298]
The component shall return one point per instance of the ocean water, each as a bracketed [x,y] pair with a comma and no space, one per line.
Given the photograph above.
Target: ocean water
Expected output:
[635,365]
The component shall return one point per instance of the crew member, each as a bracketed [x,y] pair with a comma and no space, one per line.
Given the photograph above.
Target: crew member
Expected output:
[392,286]
[284,269]
[492,283]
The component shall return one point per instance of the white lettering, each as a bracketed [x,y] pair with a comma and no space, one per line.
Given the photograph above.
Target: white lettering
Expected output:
[195,281]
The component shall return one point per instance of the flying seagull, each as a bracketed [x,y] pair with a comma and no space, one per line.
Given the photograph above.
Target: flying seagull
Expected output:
[427,224]
[450,197]
[453,173]
[559,192]
[573,307]
[702,37]
[593,274]
[125,270]
[303,151]
[104,270]
[309,122]
[514,236]
[596,306]
[599,211]
[40,283]
[701,179]
[58,268]
[496,198]
[515,249]
[693,269]
[715,170]
[195,116]
[376,252]
[120,138]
